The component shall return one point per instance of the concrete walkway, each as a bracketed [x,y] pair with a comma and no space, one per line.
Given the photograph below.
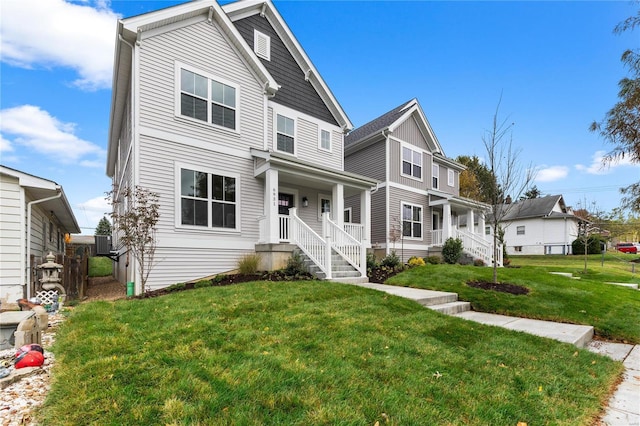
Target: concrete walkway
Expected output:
[624,406]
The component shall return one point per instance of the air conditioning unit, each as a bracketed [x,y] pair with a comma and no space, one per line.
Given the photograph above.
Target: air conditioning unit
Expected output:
[103,245]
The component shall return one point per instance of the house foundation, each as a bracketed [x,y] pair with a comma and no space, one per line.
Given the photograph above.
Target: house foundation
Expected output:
[274,256]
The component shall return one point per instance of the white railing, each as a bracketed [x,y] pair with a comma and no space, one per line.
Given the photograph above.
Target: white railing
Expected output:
[478,247]
[345,245]
[314,246]
[283,221]
[356,230]
[436,237]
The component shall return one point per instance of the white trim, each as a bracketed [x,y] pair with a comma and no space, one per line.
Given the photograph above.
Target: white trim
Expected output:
[193,142]
[350,210]
[276,132]
[324,197]
[422,209]
[451,177]
[387,181]
[183,239]
[320,147]
[437,221]
[297,202]
[266,54]
[435,175]
[177,196]
[284,110]
[179,66]
[406,188]
[413,150]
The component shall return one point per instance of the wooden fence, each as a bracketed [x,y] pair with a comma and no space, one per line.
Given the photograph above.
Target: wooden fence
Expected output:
[75,274]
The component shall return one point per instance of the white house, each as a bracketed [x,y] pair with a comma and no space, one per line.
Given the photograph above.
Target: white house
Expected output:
[34,218]
[539,226]
[220,112]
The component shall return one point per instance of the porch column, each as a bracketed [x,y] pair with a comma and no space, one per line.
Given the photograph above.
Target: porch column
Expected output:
[470,220]
[481,225]
[446,222]
[365,216]
[337,209]
[271,207]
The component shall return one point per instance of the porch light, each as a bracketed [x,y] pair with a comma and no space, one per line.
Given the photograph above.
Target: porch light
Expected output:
[305,202]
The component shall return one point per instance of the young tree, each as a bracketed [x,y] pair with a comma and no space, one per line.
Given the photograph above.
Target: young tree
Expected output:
[589,227]
[135,216]
[104,227]
[621,124]
[511,179]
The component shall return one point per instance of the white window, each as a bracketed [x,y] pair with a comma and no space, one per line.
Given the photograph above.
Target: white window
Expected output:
[324,204]
[285,135]
[487,230]
[435,173]
[411,220]
[347,215]
[450,177]
[411,163]
[262,45]
[325,140]
[517,249]
[208,200]
[519,230]
[206,98]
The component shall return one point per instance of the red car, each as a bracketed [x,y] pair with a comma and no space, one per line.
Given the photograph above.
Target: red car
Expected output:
[627,248]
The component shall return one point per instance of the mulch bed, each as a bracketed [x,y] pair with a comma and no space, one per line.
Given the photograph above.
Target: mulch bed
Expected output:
[502,287]
[380,274]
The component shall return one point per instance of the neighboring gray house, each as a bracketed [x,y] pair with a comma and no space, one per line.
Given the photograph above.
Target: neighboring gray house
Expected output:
[220,111]
[34,218]
[417,206]
[542,225]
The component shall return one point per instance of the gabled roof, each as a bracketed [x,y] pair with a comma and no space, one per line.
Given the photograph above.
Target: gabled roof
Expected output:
[40,189]
[389,121]
[245,8]
[131,30]
[542,207]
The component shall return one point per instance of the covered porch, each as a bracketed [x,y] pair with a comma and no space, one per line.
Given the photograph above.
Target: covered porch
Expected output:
[457,217]
[304,209]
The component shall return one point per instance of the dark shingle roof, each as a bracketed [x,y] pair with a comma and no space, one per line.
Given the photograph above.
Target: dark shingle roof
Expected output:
[376,125]
[534,207]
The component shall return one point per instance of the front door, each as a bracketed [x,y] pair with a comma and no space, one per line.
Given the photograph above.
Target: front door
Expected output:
[285,202]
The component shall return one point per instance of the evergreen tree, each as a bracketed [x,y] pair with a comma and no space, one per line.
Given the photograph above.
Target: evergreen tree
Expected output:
[104,227]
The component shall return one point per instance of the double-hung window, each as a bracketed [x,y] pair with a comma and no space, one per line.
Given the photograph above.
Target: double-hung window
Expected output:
[520,230]
[207,199]
[411,162]
[451,177]
[208,99]
[285,134]
[411,220]
[435,173]
[325,140]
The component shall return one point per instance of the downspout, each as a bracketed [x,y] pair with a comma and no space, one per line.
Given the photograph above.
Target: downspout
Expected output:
[27,260]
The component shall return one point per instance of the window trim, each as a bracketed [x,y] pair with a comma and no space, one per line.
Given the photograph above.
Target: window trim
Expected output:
[324,197]
[520,228]
[412,205]
[179,66]
[435,177]
[402,160]
[177,196]
[350,211]
[451,177]
[256,36]
[288,115]
[320,147]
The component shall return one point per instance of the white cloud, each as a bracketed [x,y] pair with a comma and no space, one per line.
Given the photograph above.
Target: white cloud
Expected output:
[93,210]
[55,33]
[5,145]
[599,167]
[39,131]
[551,174]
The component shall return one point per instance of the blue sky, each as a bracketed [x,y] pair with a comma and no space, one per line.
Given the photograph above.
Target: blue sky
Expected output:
[556,65]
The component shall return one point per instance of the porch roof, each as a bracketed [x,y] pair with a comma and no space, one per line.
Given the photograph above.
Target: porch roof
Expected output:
[455,201]
[309,174]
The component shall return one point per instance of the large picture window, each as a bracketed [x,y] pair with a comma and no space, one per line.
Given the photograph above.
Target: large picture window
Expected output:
[411,220]
[285,134]
[411,162]
[206,99]
[207,200]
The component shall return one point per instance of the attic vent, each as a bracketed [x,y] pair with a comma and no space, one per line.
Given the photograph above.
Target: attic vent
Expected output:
[262,45]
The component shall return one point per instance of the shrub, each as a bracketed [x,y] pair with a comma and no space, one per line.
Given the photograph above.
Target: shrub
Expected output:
[594,245]
[372,262]
[219,278]
[391,260]
[176,287]
[452,250]
[478,262]
[202,283]
[415,261]
[249,263]
[295,265]
[433,260]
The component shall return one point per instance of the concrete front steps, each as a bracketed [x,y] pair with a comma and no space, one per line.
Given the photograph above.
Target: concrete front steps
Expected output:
[341,270]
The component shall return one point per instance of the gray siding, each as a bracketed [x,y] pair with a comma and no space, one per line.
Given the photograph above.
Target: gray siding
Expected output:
[295,92]
[378,217]
[203,47]
[11,238]
[395,168]
[396,197]
[410,133]
[353,202]
[369,161]
[443,181]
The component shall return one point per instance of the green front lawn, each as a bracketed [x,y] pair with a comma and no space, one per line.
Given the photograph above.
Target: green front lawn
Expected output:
[311,353]
[100,266]
[613,311]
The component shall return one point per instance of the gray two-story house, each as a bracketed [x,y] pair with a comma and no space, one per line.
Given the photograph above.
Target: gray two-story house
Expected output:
[417,205]
[220,112]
